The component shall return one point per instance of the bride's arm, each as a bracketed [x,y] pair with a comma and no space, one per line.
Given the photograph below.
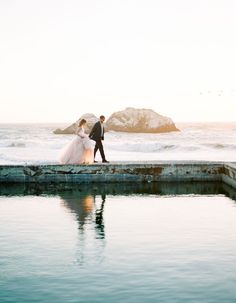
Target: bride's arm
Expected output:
[81,133]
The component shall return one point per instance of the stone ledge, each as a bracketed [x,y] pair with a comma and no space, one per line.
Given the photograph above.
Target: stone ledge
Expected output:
[229,175]
[168,171]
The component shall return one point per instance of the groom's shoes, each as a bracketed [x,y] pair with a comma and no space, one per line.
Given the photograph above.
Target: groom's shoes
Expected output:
[104,161]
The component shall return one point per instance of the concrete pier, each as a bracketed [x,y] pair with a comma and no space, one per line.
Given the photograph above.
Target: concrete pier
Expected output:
[229,174]
[168,171]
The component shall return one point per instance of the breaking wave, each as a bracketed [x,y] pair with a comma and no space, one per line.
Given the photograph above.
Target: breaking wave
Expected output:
[17,144]
[150,147]
[218,146]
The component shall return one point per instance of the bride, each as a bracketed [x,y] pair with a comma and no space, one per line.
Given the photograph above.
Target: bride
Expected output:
[79,150]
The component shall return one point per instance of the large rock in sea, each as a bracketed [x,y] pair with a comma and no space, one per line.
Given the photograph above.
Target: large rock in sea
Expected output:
[90,118]
[140,121]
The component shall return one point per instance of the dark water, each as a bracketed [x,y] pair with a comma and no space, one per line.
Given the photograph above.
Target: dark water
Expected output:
[152,243]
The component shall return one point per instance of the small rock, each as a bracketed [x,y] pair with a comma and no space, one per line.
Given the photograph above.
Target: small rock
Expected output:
[90,118]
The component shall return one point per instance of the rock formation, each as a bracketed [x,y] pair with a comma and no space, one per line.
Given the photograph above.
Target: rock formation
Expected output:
[140,121]
[129,120]
[90,118]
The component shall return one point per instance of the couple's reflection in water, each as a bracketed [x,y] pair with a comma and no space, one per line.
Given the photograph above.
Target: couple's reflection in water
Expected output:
[88,203]
[87,208]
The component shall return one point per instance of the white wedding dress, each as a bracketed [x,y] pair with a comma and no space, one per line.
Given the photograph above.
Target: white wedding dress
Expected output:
[78,151]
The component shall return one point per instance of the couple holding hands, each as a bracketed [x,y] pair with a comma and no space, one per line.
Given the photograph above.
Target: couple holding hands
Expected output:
[80,150]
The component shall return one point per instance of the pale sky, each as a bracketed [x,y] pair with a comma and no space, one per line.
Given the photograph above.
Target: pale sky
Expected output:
[60,59]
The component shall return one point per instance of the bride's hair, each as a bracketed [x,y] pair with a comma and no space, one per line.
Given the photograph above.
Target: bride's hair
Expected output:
[82,122]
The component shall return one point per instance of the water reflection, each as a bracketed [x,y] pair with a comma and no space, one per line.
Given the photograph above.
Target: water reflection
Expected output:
[73,242]
[156,188]
[87,210]
[99,218]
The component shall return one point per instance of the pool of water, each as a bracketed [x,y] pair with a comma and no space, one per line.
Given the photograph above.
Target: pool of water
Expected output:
[152,243]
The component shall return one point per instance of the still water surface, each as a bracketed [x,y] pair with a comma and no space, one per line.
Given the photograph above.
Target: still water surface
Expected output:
[106,245]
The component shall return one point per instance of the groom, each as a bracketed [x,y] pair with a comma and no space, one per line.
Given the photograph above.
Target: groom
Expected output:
[97,134]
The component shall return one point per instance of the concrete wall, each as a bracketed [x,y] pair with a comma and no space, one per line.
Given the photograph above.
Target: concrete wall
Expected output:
[121,172]
[229,174]
[118,172]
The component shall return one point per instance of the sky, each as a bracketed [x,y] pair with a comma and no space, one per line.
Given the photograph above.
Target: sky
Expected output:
[60,59]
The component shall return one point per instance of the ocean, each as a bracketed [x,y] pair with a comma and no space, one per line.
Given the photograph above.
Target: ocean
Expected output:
[36,144]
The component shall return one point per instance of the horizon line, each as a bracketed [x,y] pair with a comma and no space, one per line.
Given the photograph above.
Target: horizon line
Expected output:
[69,122]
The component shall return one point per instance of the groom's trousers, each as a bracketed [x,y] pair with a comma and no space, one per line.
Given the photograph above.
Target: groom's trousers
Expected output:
[99,146]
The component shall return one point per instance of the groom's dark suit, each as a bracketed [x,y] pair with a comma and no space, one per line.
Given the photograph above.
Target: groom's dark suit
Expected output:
[97,134]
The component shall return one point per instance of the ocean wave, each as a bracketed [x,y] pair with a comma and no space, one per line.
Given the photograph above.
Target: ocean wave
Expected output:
[17,144]
[24,160]
[33,144]
[219,146]
[152,147]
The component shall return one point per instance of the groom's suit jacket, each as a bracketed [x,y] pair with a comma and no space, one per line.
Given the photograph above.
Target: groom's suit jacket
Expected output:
[97,133]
